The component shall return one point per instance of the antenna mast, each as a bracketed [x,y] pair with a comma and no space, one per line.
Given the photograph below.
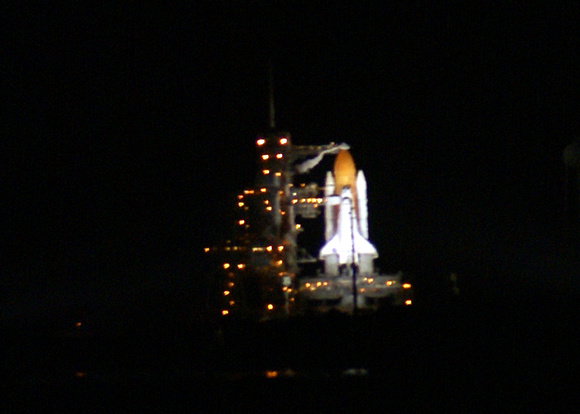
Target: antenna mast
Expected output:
[272,112]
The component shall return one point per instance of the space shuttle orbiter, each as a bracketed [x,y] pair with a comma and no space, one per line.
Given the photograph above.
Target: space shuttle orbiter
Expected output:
[346,219]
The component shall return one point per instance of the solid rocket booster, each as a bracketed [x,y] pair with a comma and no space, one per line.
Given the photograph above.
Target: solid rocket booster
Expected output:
[361,191]
[329,207]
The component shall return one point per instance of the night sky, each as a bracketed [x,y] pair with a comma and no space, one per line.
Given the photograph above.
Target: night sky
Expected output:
[128,129]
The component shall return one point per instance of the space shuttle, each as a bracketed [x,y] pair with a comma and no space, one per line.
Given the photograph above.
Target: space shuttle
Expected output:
[346,219]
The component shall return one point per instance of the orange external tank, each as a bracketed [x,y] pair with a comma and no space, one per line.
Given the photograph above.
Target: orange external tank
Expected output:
[344,172]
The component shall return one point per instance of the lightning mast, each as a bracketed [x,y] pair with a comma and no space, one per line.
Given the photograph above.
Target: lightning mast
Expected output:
[272,111]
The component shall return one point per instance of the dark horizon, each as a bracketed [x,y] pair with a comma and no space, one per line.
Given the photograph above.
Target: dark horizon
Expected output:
[131,129]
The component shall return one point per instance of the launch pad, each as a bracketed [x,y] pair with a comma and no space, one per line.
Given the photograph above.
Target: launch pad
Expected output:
[262,269]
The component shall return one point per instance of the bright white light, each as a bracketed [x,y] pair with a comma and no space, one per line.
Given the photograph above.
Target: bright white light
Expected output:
[265,156]
[261,141]
[283,141]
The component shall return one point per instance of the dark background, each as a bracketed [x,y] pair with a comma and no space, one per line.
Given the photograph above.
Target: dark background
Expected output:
[129,128]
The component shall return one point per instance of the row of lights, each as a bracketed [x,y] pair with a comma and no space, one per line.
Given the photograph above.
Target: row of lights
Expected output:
[307,200]
[267,248]
[250,192]
[266,157]
[262,141]
[239,265]
[368,280]
[318,284]
[227,248]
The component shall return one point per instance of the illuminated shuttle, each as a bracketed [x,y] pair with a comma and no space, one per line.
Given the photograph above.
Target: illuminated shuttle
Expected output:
[346,219]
